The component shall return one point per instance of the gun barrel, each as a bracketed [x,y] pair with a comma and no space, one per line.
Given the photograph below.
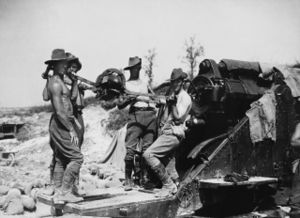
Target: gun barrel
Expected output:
[84,80]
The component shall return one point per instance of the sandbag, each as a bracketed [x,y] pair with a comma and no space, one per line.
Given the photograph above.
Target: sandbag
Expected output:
[12,194]
[38,183]
[35,184]
[239,66]
[28,188]
[2,201]
[28,203]
[34,193]
[14,207]
[19,186]
[4,189]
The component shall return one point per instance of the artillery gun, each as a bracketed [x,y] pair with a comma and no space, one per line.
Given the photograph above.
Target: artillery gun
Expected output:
[222,93]
[218,143]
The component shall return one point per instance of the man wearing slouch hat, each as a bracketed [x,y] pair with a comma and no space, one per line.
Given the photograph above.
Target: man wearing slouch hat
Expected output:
[63,130]
[173,131]
[141,127]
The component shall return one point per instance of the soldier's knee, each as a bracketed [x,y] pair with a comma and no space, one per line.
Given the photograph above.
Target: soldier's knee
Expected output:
[147,155]
[151,159]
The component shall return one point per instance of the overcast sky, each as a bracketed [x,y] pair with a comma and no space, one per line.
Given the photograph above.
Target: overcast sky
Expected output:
[104,34]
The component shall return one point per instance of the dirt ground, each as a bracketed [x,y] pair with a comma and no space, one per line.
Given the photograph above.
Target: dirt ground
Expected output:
[33,155]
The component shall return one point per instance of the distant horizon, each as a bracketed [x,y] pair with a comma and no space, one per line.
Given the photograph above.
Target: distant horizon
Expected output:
[105,33]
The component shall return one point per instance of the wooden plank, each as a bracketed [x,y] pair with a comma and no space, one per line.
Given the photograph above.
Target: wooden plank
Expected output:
[115,202]
[46,199]
[118,198]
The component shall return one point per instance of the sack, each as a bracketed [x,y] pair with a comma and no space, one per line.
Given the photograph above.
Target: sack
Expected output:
[14,207]
[235,178]
[3,190]
[28,203]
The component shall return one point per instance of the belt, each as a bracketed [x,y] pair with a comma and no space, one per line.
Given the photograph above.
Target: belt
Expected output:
[134,109]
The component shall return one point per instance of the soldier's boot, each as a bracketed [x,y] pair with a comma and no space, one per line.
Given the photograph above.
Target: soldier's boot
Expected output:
[50,189]
[128,172]
[149,180]
[57,180]
[76,190]
[70,175]
[169,188]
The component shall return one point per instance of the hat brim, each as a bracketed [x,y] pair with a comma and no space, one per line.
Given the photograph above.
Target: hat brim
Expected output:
[127,68]
[131,66]
[55,60]
[182,78]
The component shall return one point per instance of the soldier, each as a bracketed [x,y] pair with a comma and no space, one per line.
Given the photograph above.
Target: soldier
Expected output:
[141,127]
[77,99]
[172,132]
[63,131]
[74,65]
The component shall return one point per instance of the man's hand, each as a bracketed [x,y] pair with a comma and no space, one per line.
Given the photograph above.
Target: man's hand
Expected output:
[45,74]
[168,131]
[84,86]
[74,137]
[162,101]
[172,99]
[143,98]
[130,98]
[73,77]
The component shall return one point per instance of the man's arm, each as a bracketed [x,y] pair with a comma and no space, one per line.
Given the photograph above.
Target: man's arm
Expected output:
[73,82]
[46,76]
[181,108]
[124,101]
[74,90]
[46,96]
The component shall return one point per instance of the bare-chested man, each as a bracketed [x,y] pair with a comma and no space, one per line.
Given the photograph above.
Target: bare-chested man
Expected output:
[63,131]
[77,92]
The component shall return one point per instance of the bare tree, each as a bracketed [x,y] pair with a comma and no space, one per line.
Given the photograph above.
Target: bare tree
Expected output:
[193,51]
[149,65]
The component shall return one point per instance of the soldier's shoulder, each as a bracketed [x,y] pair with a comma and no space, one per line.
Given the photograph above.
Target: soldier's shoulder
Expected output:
[54,83]
[186,96]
